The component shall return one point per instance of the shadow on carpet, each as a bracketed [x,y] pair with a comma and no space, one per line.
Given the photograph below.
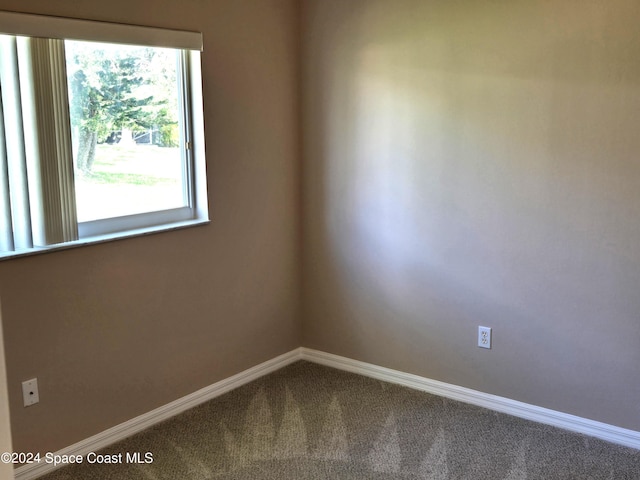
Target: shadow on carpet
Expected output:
[312,422]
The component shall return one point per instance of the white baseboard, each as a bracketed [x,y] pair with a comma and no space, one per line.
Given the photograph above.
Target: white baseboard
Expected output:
[144,421]
[610,433]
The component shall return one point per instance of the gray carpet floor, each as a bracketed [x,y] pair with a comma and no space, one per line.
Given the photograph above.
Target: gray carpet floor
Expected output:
[311,422]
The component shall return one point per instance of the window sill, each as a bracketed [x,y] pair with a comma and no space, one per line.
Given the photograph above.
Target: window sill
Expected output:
[104,238]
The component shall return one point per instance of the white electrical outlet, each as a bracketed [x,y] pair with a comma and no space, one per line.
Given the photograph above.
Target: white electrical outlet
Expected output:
[484,337]
[30,392]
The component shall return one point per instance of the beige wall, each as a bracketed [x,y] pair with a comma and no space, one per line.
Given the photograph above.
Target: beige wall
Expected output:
[477,163]
[115,330]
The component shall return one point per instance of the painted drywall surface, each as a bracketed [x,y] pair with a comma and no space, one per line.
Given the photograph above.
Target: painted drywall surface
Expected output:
[477,163]
[115,330]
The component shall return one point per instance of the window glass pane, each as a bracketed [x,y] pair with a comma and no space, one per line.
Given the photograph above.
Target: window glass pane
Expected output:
[126,129]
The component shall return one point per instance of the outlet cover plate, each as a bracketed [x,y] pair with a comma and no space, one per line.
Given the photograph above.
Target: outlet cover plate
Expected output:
[30,392]
[484,337]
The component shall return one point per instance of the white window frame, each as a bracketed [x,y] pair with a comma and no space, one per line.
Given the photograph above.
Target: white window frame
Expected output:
[196,211]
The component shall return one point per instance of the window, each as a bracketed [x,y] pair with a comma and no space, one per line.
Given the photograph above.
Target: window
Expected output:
[101,131]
